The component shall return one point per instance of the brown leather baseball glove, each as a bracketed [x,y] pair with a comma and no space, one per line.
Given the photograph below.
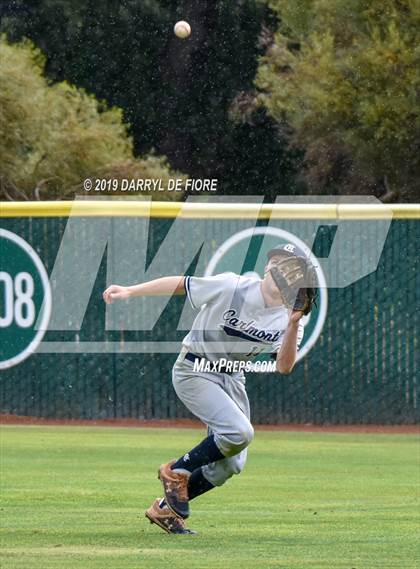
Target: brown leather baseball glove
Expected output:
[297,281]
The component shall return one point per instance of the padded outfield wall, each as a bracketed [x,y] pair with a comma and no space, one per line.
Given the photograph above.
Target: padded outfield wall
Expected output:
[361,369]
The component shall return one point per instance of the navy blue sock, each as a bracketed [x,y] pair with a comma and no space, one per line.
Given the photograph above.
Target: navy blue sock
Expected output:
[197,484]
[204,453]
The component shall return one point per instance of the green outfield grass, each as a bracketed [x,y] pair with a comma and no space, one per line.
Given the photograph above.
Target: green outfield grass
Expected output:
[73,497]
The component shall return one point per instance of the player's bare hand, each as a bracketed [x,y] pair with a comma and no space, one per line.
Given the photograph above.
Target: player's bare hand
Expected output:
[115,292]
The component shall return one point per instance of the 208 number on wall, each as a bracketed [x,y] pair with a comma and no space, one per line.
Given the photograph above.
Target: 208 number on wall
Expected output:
[18,305]
[25,299]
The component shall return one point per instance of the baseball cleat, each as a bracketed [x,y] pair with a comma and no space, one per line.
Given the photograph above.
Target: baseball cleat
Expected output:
[175,486]
[166,519]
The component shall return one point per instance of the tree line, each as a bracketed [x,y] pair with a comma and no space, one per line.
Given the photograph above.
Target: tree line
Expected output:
[270,97]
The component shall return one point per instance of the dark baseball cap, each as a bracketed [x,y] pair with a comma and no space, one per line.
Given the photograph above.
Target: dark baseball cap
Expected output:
[289,249]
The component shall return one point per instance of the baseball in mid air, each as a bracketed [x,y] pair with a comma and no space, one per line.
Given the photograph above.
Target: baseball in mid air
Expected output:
[182,29]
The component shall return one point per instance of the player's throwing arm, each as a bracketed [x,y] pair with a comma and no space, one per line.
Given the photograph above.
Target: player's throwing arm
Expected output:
[164,285]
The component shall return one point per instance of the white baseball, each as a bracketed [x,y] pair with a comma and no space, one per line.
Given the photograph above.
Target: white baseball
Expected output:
[182,29]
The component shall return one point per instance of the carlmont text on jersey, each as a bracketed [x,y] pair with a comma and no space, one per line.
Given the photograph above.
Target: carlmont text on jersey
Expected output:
[230,316]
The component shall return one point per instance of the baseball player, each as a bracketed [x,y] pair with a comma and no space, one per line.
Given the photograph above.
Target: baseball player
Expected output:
[239,317]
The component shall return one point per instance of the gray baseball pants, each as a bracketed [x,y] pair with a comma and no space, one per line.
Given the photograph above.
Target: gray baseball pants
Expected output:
[220,401]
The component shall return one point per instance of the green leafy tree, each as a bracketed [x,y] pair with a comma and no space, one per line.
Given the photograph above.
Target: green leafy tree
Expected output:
[175,94]
[346,77]
[53,136]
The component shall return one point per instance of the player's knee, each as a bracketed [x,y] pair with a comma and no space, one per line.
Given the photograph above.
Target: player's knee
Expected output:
[245,436]
[220,472]
[248,435]
[236,467]
[237,442]
[230,470]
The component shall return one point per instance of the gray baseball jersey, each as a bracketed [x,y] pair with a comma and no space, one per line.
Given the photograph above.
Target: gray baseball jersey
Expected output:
[233,321]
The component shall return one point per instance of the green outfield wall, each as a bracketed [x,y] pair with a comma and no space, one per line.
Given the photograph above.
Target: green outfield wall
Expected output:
[362,369]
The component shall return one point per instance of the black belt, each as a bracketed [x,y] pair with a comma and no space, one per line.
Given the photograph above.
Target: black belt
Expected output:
[193,358]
